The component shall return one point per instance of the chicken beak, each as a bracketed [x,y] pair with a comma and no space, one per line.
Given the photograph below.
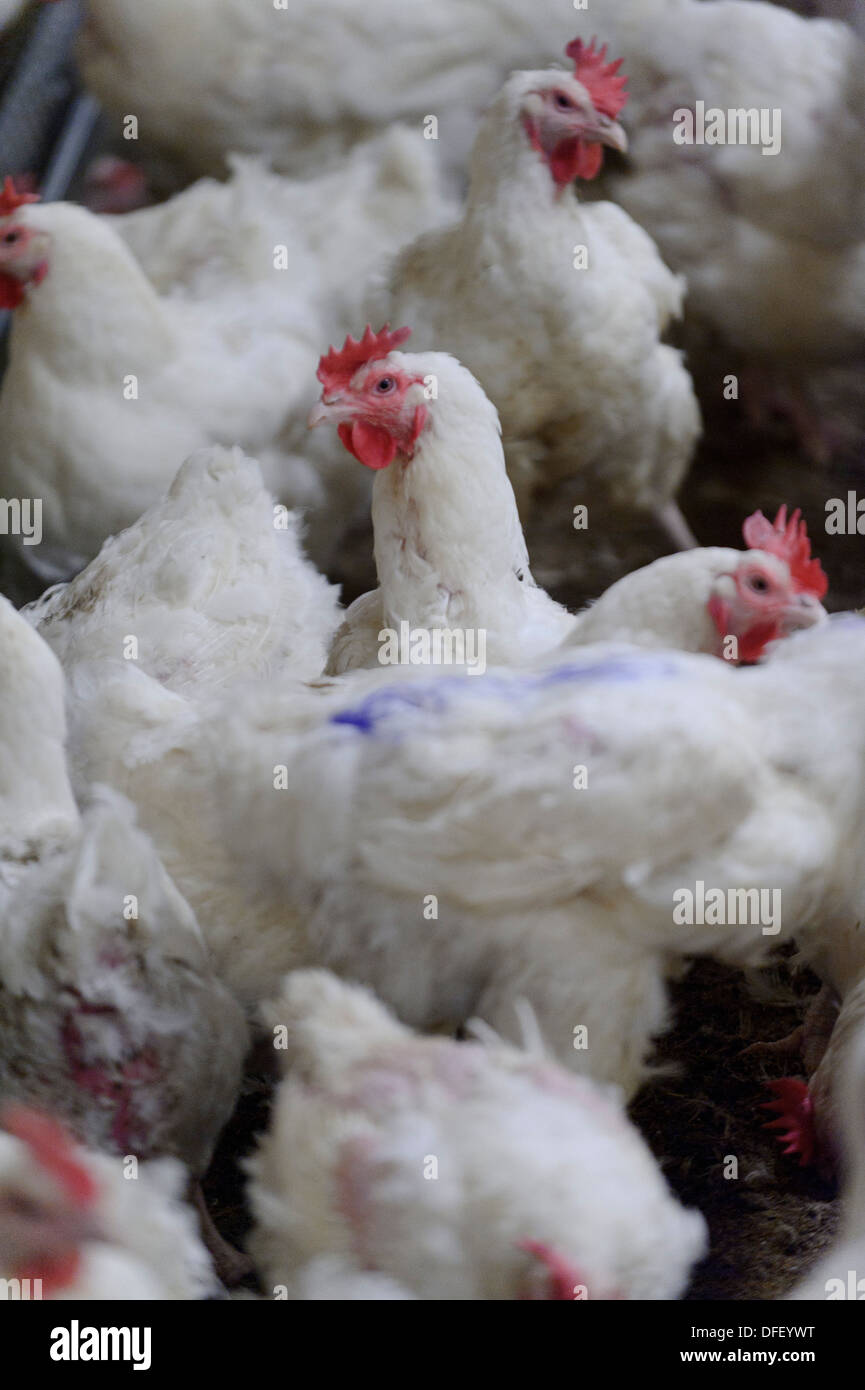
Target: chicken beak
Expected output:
[605,131]
[805,611]
[321,412]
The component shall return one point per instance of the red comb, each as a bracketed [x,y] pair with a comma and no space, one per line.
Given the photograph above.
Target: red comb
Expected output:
[52,1149]
[789,541]
[10,198]
[599,78]
[336,369]
[795,1110]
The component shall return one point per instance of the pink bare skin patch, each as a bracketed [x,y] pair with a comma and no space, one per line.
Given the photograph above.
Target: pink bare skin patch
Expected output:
[563,1279]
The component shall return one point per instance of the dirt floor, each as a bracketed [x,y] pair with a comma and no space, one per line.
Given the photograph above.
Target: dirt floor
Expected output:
[771,1221]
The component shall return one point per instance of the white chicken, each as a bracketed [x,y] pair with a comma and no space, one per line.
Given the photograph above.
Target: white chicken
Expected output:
[457,1170]
[86,1226]
[137,340]
[763,208]
[330,1279]
[208,588]
[771,246]
[38,813]
[252,795]
[728,603]
[557,307]
[415,827]
[386,189]
[449,547]
[450,552]
[812,1118]
[301,83]
[110,1013]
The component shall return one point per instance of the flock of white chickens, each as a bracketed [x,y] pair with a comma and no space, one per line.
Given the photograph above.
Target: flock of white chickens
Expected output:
[438,889]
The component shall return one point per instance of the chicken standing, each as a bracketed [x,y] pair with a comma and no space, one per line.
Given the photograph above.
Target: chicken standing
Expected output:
[772,247]
[91,1227]
[450,551]
[760,200]
[137,340]
[449,547]
[457,1170]
[558,307]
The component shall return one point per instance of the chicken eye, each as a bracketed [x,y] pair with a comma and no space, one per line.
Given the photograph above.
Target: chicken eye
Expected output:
[758,583]
[10,238]
[385,384]
[563,102]
[22,1206]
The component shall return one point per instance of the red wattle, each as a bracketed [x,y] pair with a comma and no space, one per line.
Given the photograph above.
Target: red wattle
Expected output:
[575,159]
[11,291]
[753,643]
[370,444]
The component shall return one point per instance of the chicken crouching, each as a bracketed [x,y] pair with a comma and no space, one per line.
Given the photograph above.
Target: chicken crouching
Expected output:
[110,1013]
[455,1170]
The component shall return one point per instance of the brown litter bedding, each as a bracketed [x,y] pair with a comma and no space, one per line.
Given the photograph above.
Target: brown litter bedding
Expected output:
[769,1223]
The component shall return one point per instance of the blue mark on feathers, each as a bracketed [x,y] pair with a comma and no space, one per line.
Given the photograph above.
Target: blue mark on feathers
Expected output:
[435,697]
